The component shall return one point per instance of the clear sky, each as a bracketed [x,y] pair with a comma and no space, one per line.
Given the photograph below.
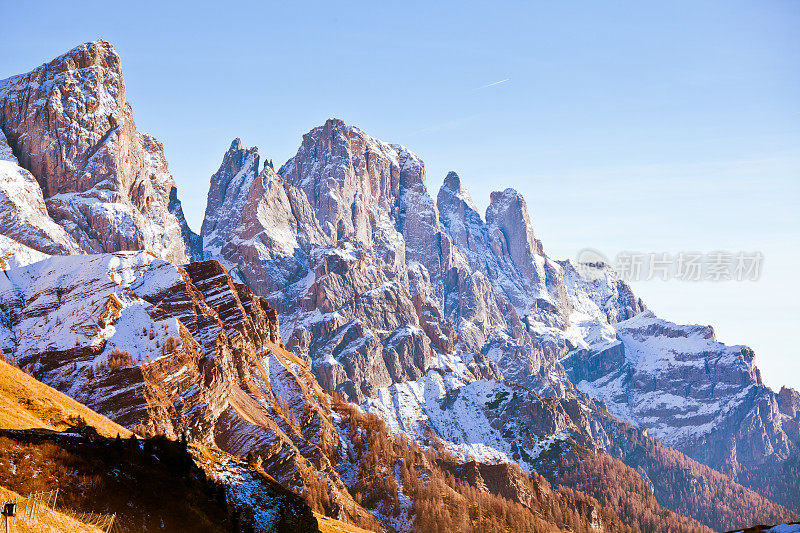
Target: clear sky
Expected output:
[658,127]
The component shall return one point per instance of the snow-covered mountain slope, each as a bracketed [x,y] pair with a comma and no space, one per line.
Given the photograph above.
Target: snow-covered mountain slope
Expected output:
[690,391]
[478,417]
[23,213]
[102,181]
[14,254]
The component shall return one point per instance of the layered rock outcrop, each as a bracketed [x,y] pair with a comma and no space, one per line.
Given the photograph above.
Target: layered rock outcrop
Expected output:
[170,351]
[105,183]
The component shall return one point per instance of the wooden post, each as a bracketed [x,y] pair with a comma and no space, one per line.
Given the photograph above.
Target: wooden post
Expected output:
[54,499]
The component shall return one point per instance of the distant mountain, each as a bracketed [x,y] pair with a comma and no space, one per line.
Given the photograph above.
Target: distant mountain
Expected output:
[699,396]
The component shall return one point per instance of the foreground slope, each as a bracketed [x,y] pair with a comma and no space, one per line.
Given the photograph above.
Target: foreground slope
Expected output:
[26,403]
[64,444]
[151,485]
[48,520]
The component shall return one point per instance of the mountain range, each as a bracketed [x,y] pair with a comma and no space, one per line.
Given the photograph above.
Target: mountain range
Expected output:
[373,348]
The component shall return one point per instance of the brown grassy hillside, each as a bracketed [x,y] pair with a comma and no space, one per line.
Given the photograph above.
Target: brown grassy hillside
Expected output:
[47,520]
[26,403]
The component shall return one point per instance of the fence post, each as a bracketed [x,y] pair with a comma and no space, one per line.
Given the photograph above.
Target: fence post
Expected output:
[54,499]
[110,524]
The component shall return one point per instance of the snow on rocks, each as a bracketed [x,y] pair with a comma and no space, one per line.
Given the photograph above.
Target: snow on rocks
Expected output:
[23,214]
[687,389]
[102,181]
[14,254]
[265,504]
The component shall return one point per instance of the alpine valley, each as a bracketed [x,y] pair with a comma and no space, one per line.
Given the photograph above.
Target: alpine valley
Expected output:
[390,359]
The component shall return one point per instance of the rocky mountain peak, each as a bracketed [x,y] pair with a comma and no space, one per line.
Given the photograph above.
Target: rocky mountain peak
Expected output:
[82,88]
[511,233]
[452,190]
[98,53]
[508,212]
[69,125]
[351,178]
[227,194]
[452,182]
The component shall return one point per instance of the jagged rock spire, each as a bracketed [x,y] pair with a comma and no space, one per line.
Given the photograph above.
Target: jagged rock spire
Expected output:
[227,195]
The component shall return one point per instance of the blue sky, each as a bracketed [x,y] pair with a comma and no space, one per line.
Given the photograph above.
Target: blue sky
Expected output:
[626,125]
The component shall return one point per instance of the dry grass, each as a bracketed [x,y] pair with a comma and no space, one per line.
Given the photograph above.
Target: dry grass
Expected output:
[47,521]
[26,403]
[330,525]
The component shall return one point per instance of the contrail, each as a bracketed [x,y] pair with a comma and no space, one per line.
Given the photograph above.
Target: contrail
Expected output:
[492,84]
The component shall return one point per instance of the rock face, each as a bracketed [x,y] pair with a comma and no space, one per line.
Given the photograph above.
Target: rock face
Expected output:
[23,213]
[374,280]
[691,392]
[170,351]
[68,124]
[321,242]
[367,271]
[228,195]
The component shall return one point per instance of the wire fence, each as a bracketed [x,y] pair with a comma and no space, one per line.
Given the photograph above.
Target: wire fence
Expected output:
[30,509]
[104,522]
[36,501]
